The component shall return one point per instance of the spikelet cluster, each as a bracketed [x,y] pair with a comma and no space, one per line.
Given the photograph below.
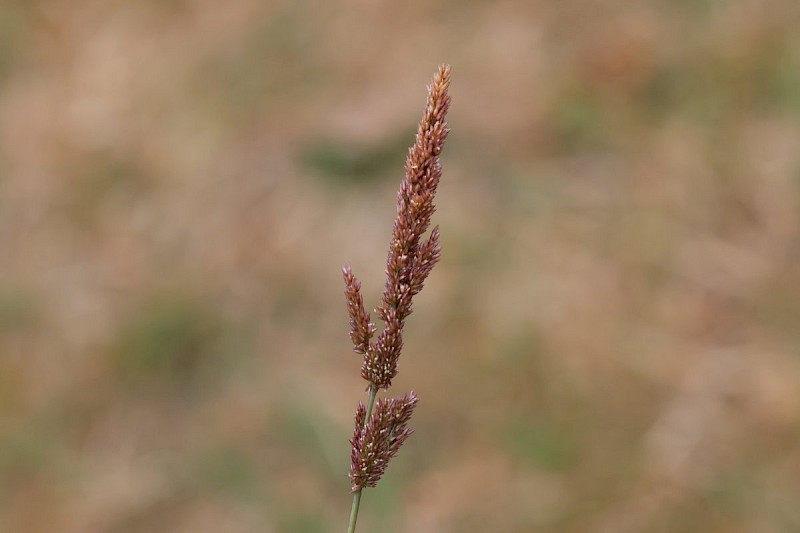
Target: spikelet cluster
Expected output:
[378,439]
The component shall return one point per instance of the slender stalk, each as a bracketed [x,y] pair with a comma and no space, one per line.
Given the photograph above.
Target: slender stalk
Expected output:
[373,392]
[354,512]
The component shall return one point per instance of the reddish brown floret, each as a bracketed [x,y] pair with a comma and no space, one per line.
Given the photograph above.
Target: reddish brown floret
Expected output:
[361,329]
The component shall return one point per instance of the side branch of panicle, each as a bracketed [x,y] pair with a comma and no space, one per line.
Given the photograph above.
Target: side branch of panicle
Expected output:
[361,329]
[375,442]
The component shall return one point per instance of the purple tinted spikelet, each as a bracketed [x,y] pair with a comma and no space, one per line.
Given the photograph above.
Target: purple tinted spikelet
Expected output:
[409,260]
[361,329]
[375,442]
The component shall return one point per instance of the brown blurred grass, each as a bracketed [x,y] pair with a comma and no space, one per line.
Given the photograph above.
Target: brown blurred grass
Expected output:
[615,319]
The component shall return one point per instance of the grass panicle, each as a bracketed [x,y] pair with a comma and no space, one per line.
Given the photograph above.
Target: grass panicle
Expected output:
[380,429]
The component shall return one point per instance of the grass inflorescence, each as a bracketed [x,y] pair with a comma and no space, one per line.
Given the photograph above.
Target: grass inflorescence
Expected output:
[382,427]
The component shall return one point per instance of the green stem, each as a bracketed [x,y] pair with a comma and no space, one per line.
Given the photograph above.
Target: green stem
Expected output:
[373,391]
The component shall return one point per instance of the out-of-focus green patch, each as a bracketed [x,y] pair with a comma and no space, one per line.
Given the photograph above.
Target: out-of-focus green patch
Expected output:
[273,61]
[527,191]
[101,177]
[524,350]
[342,163]
[173,339]
[697,7]
[713,84]
[578,121]
[778,306]
[159,515]
[475,254]
[308,434]
[17,309]
[737,494]
[541,445]
[690,515]
[786,80]
[171,7]
[770,77]
[695,88]
[225,470]
[644,238]
[660,95]
[291,302]
[383,499]
[731,492]
[523,364]
[45,447]
[13,26]
[303,520]
[25,453]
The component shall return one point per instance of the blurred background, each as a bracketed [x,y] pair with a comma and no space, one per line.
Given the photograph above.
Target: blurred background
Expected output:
[611,342]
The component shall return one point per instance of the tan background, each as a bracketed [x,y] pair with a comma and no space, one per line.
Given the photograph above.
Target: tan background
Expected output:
[610,343]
